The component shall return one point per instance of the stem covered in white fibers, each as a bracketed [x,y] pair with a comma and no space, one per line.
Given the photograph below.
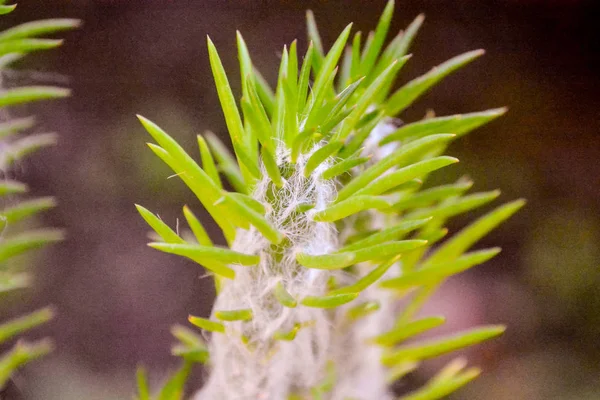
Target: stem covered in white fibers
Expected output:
[247,362]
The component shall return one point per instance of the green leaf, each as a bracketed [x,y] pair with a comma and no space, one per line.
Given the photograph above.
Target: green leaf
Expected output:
[362,310]
[173,389]
[288,335]
[14,126]
[8,187]
[403,175]
[27,45]
[187,169]
[304,79]
[142,384]
[290,121]
[408,93]
[11,58]
[38,28]
[345,68]
[232,116]
[292,72]
[264,92]
[258,118]
[403,332]
[351,206]
[162,229]
[27,94]
[393,160]
[27,208]
[439,390]
[245,60]
[368,279]
[207,252]
[459,124]
[366,98]
[344,166]
[326,261]
[399,46]
[234,315]
[456,206]
[315,39]
[400,370]
[463,240]
[195,181]
[340,101]
[15,245]
[191,347]
[7,9]
[26,145]
[437,347]
[271,167]
[372,51]
[196,227]
[207,324]
[227,163]
[19,325]
[319,156]
[208,163]
[258,220]
[385,235]
[14,282]
[355,58]
[322,80]
[249,202]
[342,260]
[328,301]
[213,261]
[315,106]
[425,198]
[21,354]
[283,296]
[450,370]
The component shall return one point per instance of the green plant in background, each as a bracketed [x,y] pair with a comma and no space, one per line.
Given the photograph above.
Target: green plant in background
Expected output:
[14,44]
[327,226]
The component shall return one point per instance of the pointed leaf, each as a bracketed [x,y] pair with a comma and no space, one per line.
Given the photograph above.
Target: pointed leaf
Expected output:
[437,347]
[459,124]
[351,206]
[26,94]
[407,331]
[403,175]
[407,94]
[393,160]
[207,252]
[207,324]
[328,301]
[39,28]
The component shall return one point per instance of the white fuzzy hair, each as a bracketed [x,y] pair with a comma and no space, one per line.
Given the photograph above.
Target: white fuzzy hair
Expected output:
[263,368]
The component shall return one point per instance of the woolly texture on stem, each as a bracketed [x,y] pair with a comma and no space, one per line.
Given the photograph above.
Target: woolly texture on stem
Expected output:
[262,367]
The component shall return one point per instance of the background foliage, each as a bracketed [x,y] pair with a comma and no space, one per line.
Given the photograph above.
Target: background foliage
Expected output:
[117,298]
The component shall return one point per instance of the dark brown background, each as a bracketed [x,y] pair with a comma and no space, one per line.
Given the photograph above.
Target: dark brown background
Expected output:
[117,298]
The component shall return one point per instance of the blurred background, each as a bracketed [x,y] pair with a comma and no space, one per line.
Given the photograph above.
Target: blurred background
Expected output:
[117,299]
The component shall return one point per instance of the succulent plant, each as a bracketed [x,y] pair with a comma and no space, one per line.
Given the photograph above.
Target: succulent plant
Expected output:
[15,43]
[327,226]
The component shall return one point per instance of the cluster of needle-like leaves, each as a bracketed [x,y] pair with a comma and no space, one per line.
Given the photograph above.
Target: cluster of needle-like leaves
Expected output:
[323,153]
[15,43]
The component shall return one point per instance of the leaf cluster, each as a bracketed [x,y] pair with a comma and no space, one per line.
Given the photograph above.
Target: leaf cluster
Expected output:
[15,43]
[317,120]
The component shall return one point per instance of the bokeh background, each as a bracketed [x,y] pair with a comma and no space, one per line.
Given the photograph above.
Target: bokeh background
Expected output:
[116,298]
